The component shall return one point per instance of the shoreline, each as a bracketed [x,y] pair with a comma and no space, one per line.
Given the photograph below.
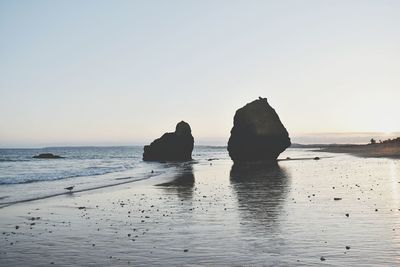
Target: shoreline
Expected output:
[150,176]
[365,151]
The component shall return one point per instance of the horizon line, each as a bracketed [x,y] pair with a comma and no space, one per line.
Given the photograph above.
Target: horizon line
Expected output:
[217,142]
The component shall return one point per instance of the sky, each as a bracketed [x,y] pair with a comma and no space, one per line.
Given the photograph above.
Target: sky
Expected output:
[124,72]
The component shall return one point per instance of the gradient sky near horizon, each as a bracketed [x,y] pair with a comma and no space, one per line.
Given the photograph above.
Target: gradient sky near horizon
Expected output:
[124,72]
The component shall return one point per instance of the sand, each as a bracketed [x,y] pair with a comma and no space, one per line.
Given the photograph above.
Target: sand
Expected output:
[214,214]
[376,150]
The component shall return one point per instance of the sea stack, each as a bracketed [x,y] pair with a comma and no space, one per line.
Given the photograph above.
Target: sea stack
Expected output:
[258,134]
[176,146]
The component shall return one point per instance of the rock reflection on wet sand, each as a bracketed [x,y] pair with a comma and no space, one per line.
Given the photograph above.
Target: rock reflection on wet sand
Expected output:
[260,190]
[182,183]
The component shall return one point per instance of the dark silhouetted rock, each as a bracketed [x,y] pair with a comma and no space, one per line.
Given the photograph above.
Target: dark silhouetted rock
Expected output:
[47,156]
[257,134]
[176,146]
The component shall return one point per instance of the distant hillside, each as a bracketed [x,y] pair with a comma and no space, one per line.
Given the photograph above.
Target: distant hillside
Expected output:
[295,145]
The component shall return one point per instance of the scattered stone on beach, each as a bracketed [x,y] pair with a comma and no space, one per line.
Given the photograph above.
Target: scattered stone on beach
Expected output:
[317,158]
[176,146]
[47,156]
[185,250]
[347,247]
[322,258]
[347,215]
[257,133]
[337,198]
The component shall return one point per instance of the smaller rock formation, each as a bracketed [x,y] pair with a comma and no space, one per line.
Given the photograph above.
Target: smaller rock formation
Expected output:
[176,146]
[47,156]
[257,134]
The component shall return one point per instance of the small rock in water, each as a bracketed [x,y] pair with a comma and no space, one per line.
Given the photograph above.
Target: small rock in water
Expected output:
[347,215]
[347,247]
[337,198]
[185,250]
[47,156]
[322,258]
[317,158]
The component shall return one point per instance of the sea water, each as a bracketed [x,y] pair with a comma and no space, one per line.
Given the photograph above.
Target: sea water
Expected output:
[23,177]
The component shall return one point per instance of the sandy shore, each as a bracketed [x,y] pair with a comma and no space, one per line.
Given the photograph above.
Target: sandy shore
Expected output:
[376,150]
[216,214]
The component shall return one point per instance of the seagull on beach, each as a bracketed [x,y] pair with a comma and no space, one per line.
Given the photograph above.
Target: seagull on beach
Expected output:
[69,188]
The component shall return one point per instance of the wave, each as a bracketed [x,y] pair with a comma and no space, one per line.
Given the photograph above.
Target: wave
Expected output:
[89,171]
[13,160]
[116,182]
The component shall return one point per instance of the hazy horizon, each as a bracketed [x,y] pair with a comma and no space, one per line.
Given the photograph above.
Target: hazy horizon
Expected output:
[314,138]
[106,73]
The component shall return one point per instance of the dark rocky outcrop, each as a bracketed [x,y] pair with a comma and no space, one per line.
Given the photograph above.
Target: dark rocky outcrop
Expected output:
[176,146]
[257,134]
[47,156]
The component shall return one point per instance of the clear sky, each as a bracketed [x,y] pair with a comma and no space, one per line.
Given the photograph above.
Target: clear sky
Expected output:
[124,72]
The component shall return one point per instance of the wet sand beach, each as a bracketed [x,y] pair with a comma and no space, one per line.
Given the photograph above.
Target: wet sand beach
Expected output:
[337,211]
[369,151]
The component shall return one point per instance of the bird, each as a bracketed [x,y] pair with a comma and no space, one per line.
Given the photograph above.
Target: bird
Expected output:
[69,188]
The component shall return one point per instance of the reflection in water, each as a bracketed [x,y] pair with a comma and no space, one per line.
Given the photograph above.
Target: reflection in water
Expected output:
[261,190]
[182,183]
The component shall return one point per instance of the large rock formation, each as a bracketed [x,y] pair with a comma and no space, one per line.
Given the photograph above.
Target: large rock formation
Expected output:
[176,146]
[257,134]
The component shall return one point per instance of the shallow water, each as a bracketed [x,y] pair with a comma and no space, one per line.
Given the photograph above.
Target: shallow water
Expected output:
[23,177]
[283,215]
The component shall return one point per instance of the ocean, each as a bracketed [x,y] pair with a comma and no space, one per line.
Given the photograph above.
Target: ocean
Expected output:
[23,177]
